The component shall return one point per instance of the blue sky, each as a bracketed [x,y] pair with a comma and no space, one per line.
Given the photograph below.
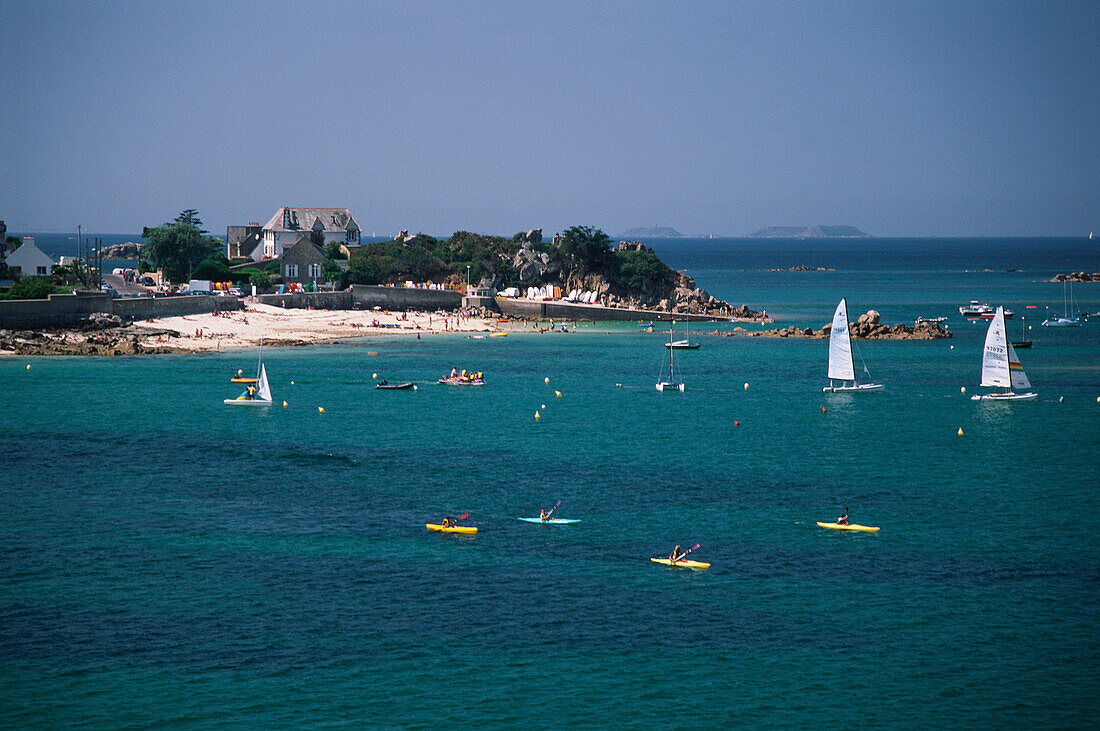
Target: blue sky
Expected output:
[904,119]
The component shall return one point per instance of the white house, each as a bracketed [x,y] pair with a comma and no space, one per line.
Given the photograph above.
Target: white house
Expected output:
[29,260]
[322,225]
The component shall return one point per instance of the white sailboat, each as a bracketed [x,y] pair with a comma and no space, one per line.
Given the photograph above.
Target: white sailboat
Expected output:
[686,343]
[258,391]
[841,366]
[671,384]
[1001,366]
[1066,320]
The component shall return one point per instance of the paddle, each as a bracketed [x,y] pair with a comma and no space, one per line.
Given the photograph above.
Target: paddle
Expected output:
[464,516]
[681,558]
[552,510]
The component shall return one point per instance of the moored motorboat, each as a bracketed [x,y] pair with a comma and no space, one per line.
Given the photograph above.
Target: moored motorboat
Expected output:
[975,309]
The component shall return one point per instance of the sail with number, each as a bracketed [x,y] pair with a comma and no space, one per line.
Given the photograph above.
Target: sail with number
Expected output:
[1000,364]
[841,366]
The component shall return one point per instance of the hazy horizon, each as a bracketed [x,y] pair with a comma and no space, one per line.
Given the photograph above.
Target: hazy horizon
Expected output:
[905,120]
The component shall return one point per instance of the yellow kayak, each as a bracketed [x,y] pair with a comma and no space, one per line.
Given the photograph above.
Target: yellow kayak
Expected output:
[465,529]
[682,563]
[850,526]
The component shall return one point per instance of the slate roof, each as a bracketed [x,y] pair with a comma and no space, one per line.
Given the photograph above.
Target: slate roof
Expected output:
[307,219]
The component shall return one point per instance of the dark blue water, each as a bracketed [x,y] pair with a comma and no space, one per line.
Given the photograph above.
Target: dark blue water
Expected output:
[170,560]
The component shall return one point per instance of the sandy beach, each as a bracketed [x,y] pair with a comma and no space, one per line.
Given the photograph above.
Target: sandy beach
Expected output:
[278,326]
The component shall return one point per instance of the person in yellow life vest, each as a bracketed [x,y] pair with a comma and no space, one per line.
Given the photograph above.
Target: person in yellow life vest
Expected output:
[676,555]
[543,515]
[251,391]
[447,522]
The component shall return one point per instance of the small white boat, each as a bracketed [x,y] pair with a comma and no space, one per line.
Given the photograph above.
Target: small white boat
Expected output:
[842,367]
[933,320]
[1066,320]
[257,393]
[672,384]
[1001,366]
[686,343]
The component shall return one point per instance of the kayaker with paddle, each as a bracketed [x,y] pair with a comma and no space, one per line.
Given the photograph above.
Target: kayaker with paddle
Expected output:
[447,522]
[843,520]
[676,554]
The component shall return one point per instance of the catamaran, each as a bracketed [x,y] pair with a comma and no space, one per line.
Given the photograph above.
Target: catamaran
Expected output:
[841,365]
[258,392]
[671,384]
[686,343]
[1001,366]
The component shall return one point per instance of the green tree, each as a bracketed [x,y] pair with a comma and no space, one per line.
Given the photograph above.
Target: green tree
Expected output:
[177,247]
[259,277]
[584,249]
[334,250]
[333,272]
[214,267]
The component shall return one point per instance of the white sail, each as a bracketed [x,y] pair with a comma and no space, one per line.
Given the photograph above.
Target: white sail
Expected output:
[1016,371]
[995,367]
[263,391]
[841,366]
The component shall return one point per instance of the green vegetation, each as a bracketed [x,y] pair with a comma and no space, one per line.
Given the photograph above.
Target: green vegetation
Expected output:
[215,268]
[177,247]
[581,258]
[31,288]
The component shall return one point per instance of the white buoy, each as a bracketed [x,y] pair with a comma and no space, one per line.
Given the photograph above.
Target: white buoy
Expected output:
[546,380]
[543,406]
[952,347]
[28,366]
[746,386]
[962,390]
[374,375]
[292,383]
[1061,399]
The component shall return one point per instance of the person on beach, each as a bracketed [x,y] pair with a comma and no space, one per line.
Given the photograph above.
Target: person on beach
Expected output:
[843,520]
[676,555]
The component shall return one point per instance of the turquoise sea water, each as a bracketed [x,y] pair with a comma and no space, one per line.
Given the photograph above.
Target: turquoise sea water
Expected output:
[170,560]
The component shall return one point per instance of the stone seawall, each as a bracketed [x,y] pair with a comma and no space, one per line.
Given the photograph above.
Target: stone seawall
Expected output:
[536,310]
[306,300]
[145,308]
[405,298]
[69,310]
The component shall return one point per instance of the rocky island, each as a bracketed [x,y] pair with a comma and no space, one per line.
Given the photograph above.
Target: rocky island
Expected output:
[866,327]
[128,250]
[808,232]
[1077,277]
[656,232]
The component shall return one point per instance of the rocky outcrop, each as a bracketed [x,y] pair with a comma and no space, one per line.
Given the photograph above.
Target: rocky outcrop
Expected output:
[867,327]
[1077,277]
[128,250]
[103,342]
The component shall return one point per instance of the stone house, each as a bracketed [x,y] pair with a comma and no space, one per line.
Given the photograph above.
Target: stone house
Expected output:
[243,242]
[302,262]
[320,225]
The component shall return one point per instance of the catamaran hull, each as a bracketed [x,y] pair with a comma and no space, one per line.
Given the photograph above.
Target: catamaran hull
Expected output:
[682,345]
[858,388]
[246,402]
[1004,397]
[670,387]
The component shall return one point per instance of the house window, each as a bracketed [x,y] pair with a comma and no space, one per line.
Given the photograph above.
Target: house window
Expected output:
[291,271]
[314,271]
[352,235]
[42,271]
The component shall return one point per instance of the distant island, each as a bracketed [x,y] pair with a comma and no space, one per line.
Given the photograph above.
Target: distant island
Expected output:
[656,232]
[808,232]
